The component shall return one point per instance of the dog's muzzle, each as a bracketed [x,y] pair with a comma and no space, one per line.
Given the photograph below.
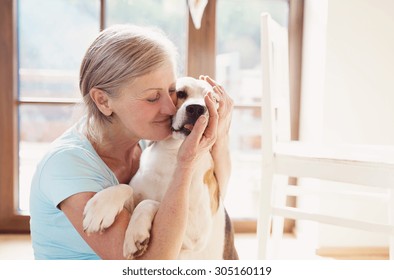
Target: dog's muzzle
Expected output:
[192,113]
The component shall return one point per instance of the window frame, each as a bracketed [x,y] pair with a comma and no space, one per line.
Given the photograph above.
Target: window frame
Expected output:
[10,220]
[201,53]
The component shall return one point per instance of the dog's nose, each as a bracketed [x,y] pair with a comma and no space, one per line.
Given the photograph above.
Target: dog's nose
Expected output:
[195,110]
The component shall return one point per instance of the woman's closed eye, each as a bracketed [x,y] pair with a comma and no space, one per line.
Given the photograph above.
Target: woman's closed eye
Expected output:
[154,99]
[156,96]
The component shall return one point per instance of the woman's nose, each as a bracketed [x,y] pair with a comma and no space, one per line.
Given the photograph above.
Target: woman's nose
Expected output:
[168,106]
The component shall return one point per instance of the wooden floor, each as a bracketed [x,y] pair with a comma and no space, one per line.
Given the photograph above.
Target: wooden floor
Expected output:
[365,253]
[18,247]
[15,247]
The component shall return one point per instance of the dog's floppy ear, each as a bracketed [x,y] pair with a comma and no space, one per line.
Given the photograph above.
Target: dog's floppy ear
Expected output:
[213,188]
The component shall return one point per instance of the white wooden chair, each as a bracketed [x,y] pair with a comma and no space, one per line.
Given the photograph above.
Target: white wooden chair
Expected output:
[361,165]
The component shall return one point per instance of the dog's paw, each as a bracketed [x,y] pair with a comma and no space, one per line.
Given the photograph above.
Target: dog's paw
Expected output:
[101,210]
[136,244]
[138,231]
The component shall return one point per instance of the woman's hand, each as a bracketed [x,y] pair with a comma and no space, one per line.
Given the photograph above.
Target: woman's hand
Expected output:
[202,137]
[220,151]
[211,136]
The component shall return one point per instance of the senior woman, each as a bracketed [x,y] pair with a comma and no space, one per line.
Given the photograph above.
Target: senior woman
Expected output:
[127,80]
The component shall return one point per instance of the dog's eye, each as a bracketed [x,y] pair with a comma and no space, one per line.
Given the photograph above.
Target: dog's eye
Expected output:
[181,94]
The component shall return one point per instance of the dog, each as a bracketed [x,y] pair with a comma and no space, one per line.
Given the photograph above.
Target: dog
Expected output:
[209,233]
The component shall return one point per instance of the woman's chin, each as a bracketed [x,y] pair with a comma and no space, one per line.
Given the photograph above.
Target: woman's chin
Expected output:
[159,136]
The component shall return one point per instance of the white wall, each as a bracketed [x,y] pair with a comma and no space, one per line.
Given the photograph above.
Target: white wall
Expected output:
[359,85]
[348,93]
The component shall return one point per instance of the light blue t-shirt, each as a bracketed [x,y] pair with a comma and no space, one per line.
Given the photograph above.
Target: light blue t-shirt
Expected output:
[71,166]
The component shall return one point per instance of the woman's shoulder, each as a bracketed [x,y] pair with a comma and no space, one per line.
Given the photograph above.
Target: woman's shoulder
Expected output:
[72,160]
[72,149]
[70,143]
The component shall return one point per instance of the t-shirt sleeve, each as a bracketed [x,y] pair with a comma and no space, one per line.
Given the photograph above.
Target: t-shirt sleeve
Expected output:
[69,172]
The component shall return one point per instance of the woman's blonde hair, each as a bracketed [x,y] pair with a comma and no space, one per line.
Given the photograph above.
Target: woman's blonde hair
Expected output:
[118,55]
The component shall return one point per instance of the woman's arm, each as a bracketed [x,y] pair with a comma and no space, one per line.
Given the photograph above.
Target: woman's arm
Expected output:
[107,245]
[167,231]
[220,150]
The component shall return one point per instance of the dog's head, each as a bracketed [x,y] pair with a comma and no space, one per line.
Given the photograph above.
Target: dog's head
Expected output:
[190,105]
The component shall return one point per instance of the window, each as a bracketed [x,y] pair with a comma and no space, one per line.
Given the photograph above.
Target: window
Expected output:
[50,50]
[39,79]
[169,15]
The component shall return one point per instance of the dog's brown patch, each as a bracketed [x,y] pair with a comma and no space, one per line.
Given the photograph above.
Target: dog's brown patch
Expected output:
[229,252]
[213,188]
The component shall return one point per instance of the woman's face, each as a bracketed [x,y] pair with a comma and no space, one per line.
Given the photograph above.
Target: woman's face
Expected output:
[144,107]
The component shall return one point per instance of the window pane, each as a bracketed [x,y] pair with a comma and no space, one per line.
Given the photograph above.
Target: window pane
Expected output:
[169,15]
[39,125]
[238,69]
[52,39]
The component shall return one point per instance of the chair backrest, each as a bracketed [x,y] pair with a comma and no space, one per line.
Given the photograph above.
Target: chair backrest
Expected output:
[276,96]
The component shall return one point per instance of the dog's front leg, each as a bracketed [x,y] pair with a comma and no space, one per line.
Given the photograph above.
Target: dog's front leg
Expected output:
[138,231]
[101,210]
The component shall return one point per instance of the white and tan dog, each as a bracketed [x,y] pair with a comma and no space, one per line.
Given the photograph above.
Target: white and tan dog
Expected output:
[209,233]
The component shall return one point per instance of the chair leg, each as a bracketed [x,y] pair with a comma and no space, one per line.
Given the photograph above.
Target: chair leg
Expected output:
[278,222]
[265,214]
[277,234]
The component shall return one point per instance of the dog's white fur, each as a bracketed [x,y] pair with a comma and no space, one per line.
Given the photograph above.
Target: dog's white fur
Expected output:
[205,233]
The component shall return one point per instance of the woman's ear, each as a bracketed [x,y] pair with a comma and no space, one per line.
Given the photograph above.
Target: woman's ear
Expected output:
[100,98]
